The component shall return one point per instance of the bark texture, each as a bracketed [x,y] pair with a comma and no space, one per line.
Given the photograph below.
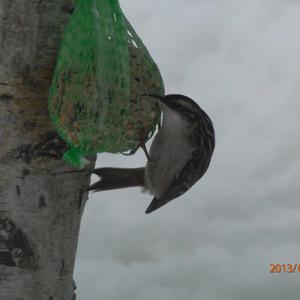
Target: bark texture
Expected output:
[41,198]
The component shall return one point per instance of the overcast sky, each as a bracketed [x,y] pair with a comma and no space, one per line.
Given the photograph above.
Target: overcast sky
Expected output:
[240,61]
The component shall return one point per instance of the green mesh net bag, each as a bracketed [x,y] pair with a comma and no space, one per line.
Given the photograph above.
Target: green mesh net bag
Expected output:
[102,70]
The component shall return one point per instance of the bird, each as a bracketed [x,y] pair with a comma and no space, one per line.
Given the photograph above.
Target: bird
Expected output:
[179,155]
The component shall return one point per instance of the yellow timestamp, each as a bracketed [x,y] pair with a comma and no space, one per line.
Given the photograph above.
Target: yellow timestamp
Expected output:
[284,268]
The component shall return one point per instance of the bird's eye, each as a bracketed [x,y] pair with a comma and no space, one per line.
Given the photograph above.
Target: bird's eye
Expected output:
[177,105]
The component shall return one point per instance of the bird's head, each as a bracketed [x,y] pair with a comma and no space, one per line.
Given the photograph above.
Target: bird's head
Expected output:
[181,105]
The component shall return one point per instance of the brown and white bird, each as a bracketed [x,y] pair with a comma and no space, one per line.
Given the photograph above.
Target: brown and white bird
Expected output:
[179,155]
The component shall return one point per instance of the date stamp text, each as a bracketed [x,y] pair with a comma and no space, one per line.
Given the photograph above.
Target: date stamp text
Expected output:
[284,268]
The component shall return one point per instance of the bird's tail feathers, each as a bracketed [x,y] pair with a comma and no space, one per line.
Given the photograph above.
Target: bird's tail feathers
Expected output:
[117,178]
[155,204]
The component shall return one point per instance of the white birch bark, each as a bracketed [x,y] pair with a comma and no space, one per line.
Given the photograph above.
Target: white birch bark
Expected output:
[41,198]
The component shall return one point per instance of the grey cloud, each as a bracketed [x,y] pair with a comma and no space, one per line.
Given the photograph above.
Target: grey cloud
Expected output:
[239,60]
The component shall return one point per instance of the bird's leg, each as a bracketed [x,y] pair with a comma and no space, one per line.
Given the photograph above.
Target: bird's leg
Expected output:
[143,146]
[143,136]
[159,125]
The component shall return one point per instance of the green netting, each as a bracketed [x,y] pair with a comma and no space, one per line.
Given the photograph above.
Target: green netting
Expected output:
[102,70]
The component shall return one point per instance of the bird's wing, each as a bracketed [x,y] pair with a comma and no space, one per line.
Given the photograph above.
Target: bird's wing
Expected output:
[192,171]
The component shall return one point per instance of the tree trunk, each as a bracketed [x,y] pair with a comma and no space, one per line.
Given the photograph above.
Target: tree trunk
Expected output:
[41,198]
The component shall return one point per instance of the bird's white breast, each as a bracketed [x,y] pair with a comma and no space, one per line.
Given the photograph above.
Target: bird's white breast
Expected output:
[168,154]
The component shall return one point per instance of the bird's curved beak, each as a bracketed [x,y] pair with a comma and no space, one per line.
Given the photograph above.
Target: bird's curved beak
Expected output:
[155,98]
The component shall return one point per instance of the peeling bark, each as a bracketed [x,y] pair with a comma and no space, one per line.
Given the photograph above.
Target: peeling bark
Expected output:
[41,198]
